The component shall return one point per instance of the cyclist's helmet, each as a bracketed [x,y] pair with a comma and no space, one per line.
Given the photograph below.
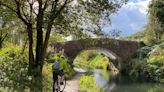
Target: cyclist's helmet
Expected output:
[62,56]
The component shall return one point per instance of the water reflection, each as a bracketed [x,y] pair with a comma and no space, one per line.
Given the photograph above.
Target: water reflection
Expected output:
[139,87]
[104,79]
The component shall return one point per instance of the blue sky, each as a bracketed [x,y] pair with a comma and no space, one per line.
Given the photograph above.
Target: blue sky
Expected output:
[131,18]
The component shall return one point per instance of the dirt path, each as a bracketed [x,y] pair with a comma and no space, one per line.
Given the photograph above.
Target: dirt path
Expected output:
[73,84]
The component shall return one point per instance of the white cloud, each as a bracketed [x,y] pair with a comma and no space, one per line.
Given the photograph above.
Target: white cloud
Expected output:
[131,18]
[142,5]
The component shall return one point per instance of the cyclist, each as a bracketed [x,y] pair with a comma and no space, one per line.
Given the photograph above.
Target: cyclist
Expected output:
[59,67]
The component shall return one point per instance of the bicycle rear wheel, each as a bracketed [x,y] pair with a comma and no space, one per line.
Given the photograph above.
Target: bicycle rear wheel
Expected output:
[62,87]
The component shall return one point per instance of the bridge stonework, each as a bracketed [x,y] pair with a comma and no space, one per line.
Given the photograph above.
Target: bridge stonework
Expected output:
[122,49]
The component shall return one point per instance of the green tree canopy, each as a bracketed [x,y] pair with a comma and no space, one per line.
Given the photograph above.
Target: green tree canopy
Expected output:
[64,17]
[155,26]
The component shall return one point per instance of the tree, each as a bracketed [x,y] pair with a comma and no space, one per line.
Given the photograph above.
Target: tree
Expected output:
[153,31]
[62,16]
[156,10]
[156,20]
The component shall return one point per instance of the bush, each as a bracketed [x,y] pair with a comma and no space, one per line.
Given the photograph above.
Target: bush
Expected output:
[156,60]
[149,64]
[13,69]
[14,75]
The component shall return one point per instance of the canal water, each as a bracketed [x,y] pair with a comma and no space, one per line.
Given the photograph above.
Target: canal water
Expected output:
[110,83]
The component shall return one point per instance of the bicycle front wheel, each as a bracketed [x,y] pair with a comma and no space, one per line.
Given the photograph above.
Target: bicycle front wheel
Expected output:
[56,87]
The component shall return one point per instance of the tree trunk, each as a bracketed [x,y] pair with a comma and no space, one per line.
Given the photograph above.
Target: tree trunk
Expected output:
[33,68]
[44,48]
[31,55]
[39,40]
[54,14]
[39,44]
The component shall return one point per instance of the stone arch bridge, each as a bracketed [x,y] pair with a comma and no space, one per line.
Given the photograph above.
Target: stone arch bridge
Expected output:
[117,50]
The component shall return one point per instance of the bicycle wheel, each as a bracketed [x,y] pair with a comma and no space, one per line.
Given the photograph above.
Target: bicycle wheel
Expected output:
[56,87]
[62,87]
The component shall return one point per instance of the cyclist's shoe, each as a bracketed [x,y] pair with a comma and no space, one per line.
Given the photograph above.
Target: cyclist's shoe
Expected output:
[61,83]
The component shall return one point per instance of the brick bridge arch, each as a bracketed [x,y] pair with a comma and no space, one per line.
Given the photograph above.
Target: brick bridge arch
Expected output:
[122,50]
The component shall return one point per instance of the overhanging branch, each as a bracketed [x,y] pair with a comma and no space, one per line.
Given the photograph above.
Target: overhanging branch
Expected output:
[4,37]
[7,6]
[18,12]
[45,5]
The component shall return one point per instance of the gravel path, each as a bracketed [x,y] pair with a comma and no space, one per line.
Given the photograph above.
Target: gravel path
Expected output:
[73,84]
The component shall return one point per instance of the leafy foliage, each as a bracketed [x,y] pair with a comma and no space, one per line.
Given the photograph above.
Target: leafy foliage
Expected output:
[154,29]
[65,17]
[91,84]
[148,65]
[14,75]
[156,10]
[68,17]
[13,69]
[91,59]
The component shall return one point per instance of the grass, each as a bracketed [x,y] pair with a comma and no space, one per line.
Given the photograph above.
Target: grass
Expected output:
[91,84]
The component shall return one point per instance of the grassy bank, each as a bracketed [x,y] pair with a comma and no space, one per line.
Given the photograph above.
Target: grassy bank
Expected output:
[91,84]
[89,60]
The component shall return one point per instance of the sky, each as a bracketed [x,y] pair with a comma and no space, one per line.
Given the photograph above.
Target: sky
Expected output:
[131,18]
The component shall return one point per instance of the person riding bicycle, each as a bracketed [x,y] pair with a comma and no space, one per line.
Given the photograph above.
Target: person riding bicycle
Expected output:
[59,67]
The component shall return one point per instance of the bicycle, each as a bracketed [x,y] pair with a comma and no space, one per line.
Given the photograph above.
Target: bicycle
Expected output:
[57,87]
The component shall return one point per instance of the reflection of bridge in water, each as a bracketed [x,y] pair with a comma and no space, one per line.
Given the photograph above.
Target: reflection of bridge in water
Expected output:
[117,50]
